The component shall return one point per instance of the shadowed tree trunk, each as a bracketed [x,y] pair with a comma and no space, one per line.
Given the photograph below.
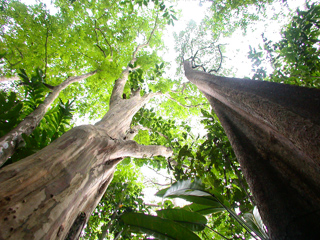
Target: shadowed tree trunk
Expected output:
[274,130]
[9,141]
[51,194]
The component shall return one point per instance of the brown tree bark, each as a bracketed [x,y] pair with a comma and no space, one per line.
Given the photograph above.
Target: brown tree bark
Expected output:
[51,194]
[9,142]
[274,130]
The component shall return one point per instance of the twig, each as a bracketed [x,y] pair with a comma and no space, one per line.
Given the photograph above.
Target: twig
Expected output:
[154,28]
[46,53]
[95,28]
[13,64]
[104,36]
[161,174]
[217,232]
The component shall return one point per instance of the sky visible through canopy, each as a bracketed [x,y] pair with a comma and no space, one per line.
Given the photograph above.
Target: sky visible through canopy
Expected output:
[235,57]
[237,48]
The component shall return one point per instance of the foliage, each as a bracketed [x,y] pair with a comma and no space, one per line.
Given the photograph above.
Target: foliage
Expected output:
[178,223]
[16,107]
[295,58]
[161,228]
[81,36]
[226,16]
[124,194]
[199,44]
[212,159]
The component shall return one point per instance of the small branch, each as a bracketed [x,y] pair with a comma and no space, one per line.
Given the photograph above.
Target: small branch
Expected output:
[172,180]
[104,36]
[14,64]
[155,183]
[217,232]
[46,53]
[95,23]
[153,30]
[9,142]
[5,79]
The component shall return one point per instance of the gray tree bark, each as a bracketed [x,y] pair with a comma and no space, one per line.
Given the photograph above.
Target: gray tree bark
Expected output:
[51,194]
[9,142]
[274,130]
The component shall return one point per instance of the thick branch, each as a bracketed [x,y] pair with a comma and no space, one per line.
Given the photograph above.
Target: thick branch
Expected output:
[11,139]
[5,79]
[131,148]
[117,91]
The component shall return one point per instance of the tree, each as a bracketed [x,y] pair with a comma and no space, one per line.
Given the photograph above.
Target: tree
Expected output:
[279,161]
[52,193]
[30,122]
[293,58]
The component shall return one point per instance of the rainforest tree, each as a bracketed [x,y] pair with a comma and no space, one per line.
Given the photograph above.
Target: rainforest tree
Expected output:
[61,184]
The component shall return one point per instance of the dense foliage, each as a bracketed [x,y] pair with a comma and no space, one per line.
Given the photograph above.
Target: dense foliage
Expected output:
[295,58]
[16,105]
[101,35]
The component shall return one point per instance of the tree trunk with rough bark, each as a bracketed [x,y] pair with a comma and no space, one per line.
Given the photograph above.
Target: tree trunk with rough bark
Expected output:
[9,142]
[51,194]
[274,130]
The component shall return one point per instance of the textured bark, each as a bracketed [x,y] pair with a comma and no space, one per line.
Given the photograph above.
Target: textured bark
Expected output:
[42,195]
[12,139]
[51,194]
[274,130]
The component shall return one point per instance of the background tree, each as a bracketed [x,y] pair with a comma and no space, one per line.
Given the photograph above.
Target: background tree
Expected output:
[294,57]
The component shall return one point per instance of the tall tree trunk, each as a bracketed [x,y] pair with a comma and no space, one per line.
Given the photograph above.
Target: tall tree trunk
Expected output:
[42,195]
[51,194]
[275,132]
[9,142]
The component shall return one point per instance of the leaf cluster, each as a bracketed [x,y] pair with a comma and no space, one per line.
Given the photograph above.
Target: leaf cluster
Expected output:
[16,107]
[181,223]
[295,57]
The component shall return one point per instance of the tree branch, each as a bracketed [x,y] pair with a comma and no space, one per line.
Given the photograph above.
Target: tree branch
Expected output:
[131,148]
[104,36]
[117,91]
[9,142]
[14,64]
[96,28]
[46,53]
[7,79]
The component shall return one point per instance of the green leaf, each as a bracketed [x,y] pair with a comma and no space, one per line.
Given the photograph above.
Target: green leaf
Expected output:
[160,228]
[192,220]
[189,190]
[205,209]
